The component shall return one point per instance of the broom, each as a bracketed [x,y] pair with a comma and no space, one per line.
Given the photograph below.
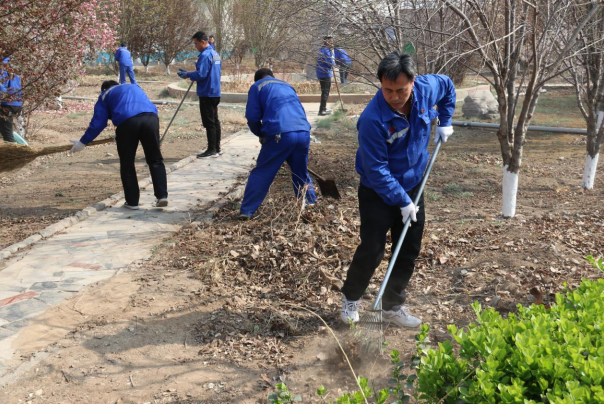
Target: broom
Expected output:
[14,156]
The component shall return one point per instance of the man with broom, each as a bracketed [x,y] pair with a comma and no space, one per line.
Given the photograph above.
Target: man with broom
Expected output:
[10,100]
[394,132]
[136,120]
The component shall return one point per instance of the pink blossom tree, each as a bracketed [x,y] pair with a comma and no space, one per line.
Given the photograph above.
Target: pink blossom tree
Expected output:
[49,41]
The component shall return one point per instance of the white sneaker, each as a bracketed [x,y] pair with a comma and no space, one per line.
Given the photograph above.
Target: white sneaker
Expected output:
[161,203]
[400,316]
[131,207]
[350,310]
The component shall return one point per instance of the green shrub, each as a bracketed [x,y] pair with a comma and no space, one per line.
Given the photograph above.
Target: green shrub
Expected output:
[553,355]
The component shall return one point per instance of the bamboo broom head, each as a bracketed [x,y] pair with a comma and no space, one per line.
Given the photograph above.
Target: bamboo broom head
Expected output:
[14,156]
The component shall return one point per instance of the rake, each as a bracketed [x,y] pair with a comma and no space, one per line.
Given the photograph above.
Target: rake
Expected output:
[371,321]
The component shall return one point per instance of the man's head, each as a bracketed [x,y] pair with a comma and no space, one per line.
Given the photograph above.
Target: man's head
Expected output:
[123,44]
[211,39]
[200,40]
[108,84]
[262,73]
[328,41]
[396,73]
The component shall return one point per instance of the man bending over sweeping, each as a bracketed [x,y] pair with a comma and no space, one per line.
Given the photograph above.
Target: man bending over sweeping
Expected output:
[394,132]
[274,114]
[136,120]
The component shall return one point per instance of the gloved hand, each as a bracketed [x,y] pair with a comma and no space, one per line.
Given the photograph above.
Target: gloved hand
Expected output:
[77,146]
[409,210]
[443,133]
[183,74]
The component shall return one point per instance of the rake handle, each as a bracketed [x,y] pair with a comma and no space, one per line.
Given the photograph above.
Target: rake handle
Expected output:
[407,224]
[177,109]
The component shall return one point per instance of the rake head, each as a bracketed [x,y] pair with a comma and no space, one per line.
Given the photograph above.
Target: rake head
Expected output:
[370,331]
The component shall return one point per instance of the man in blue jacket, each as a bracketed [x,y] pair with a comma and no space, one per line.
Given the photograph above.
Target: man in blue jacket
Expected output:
[207,76]
[274,114]
[211,41]
[124,60]
[344,63]
[324,70]
[10,100]
[394,132]
[136,120]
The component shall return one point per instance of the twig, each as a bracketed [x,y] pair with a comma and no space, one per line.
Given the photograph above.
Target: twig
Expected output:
[186,338]
[65,376]
[356,379]
[458,384]
[131,382]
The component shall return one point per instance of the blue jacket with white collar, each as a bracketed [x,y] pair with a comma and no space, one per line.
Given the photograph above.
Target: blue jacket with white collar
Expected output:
[393,151]
[10,84]
[274,107]
[207,73]
[117,103]
[123,56]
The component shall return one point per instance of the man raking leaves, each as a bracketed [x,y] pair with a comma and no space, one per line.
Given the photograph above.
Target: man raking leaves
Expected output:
[136,120]
[394,132]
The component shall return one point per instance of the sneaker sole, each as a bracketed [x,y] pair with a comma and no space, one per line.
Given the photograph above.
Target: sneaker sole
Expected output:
[131,207]
[161,204]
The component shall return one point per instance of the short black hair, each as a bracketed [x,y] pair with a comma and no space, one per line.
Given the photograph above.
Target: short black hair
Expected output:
[211,36]
[395,64]
[200,36]
[123,44]
[108,84]
[262,73]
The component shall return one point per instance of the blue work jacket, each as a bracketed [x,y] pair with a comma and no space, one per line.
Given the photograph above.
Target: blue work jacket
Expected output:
[117,103]
[10,86]
[207,73]
[393,152]
[325,63]
[123,57]
[342,58]
[274,107]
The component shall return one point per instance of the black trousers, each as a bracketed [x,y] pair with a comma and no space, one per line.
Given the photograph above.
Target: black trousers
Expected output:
[376,219]
[325,87]
[208,107]
[7,112]
[143,128]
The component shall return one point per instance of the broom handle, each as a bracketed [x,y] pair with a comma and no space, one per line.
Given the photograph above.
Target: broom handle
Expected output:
[177,109]
[407,224]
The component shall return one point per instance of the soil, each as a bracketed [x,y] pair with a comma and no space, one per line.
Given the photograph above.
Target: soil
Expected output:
[222,312]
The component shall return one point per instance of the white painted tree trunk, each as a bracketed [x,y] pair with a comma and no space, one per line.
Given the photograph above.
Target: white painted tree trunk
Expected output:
[147,68]
[589,174]
[168,69]
[510,191]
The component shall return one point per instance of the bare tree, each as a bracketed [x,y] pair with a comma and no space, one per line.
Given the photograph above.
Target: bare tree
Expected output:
[138,27]
[179,20]
[501,32]
[586,72]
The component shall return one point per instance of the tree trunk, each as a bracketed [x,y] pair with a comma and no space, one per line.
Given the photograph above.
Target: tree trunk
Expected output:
[168,69]
[147,68]
[510,191]
[592,156]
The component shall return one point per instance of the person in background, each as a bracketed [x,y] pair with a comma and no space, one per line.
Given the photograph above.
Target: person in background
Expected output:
[124,60]
[136,120]
[324,70]
[211,41]
[344,63]
[11,100]
[394,132]
[274,114]
[207,75]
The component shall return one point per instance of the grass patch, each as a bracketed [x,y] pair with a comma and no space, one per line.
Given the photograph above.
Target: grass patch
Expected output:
[456,191]
[433,196]
[76,115]
[325,123]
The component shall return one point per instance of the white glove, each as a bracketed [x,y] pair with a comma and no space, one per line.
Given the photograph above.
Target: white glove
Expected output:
[77,146]
[409,210]
[443,132]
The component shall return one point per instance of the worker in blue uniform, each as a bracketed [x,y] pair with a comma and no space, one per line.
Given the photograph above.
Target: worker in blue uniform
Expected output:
[211,41]
[324,71]
[136,120]
[207,75]
[274,114]
[124,60]
[394,132]
[344,63]
[11,100]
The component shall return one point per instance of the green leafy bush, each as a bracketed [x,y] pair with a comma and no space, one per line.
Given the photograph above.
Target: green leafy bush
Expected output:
[539,355]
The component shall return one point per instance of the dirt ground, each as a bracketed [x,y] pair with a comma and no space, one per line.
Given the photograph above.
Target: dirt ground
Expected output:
[57,186]
[219,314]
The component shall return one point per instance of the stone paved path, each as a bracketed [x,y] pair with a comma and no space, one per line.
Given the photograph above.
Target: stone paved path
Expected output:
[97,248]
